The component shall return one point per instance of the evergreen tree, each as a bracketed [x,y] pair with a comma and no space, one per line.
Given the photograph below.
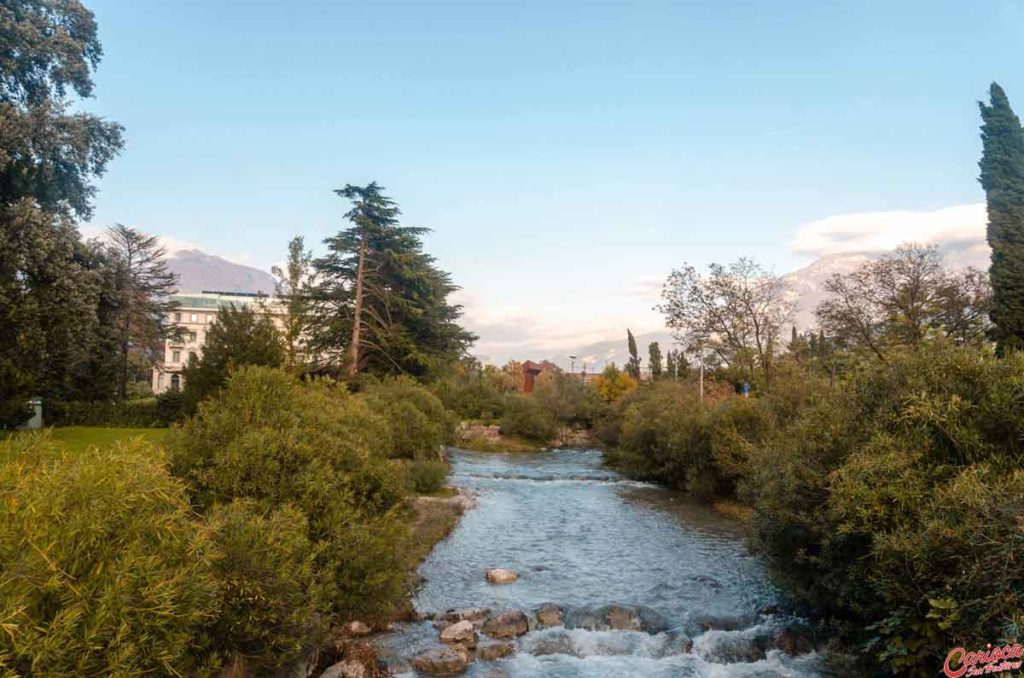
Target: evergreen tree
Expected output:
[239,336]
[654,358]
[1002,177]
[670,364]
[293,283]
[381,303]
[143,285]
[633,364]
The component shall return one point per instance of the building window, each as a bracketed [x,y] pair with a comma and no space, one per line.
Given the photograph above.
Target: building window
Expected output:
[175,356]
[191,354]
[175,382]
[192,337]
[193,318]
[177,317]
[209,317]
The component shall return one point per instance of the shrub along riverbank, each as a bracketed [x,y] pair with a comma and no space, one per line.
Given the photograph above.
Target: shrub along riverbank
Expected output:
[888,506]
[278,510]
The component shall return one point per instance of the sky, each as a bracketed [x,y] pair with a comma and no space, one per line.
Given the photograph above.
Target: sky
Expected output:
[567,155]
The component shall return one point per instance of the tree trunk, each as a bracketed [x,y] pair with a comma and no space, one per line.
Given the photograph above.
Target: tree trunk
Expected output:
[357,316]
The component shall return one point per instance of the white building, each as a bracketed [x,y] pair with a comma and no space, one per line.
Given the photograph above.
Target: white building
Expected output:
[195,314]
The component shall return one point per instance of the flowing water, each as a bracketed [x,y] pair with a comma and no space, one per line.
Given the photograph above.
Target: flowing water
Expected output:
[582,536]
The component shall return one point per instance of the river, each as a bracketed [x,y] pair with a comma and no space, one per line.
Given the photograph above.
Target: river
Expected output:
[581,536]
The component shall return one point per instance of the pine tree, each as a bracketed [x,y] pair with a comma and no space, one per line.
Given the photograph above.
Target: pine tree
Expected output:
[633,364]
[381,302]
[654,359]
[1002,177]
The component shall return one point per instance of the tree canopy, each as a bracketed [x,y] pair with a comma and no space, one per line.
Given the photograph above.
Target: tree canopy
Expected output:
[381,303]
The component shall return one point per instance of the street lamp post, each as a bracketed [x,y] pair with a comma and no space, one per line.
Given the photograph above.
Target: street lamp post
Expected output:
[572,369]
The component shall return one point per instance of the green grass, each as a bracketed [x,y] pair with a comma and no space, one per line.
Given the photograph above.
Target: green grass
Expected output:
[79,438]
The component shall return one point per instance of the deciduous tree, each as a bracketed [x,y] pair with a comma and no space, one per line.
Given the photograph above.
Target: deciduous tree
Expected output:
[735,311]
[293,289]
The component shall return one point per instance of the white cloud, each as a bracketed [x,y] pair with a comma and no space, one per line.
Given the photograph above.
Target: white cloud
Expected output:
[958,228]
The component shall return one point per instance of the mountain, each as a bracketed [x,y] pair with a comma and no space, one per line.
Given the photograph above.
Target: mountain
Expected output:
[805,287]
[198,271]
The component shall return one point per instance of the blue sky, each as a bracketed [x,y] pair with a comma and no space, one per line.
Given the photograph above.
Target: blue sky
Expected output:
[566,154]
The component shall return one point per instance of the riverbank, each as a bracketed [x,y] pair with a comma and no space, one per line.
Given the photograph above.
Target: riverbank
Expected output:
[349,652]
[484,437]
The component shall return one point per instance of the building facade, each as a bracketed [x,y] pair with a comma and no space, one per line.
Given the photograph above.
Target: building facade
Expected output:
[194,315]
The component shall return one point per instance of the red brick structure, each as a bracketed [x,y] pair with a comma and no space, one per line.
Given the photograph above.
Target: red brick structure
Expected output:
[532,370]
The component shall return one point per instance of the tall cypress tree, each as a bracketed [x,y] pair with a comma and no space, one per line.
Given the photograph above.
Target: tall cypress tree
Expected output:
[1002,177]
[633,364]
[654,359]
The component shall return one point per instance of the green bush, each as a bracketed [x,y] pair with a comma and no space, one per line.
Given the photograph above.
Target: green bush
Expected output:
[427,476]
[144,413]
[269,438]
[526,417]
[418,420]
[471,397]
[105,571]
[170,406]
[892,507]
[272,599]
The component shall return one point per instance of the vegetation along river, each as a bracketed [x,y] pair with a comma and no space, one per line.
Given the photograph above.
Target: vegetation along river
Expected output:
[584,538]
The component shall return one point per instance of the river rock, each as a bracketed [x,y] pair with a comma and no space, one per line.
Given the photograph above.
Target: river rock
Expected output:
[492,650]
[651,621]
[476,615]
[345,669]
[793,641]
[616,618]
[461,632]
[507,624]
[357,628]
[442,660]
[549,614]
[718,622]
[555,641]
[500,575]
[621,618]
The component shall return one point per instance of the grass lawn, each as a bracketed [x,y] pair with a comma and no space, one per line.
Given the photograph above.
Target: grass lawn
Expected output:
[78,438]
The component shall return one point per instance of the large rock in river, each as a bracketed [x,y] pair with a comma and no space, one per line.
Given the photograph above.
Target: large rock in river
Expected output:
[476,615]
[549,614]
[442,660]
[507,624]
[461,632]
[493,650]
[616,618]
[500,575]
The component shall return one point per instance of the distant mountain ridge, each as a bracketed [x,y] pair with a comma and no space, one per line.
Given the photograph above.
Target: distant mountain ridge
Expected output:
[198,271]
